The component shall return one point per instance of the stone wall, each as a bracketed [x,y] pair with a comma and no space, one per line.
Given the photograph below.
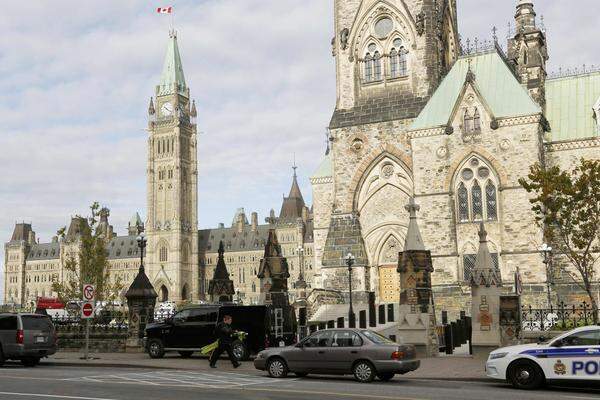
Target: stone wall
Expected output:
[100,341]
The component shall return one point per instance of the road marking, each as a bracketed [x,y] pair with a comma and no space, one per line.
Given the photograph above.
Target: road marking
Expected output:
[311,392]
[54,396]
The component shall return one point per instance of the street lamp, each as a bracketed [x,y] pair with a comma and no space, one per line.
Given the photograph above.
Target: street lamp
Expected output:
[301,283]
[142,242]
[350,262]
[547,254]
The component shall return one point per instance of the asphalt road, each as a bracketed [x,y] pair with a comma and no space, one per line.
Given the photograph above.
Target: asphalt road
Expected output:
[73,383]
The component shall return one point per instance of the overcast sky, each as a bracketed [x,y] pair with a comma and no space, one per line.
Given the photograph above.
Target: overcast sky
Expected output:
[76,77]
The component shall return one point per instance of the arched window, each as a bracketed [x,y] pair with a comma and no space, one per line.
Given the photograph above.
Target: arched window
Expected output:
[403,64]
[368,68]
[394,63]
[491,203]
[477,202]
[377,66]
[463,203]
[476,121]
[468,122]
[474,181]
[163,254]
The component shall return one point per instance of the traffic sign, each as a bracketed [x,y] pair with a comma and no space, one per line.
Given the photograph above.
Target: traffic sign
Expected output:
[87,310]
[89,292]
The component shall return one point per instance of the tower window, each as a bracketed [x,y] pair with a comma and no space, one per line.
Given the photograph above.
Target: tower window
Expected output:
[398,65]
[163,254]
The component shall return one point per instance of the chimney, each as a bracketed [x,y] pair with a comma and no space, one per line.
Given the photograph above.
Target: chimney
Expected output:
[221,225]
[31,238]
[254,221]
[240,223]
[305,214]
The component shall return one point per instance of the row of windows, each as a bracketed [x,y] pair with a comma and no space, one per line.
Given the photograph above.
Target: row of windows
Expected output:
[472,121]
[165,145]
[392,65]
[165,174]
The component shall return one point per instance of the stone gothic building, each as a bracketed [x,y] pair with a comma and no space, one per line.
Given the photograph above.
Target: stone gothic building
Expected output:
[418,115]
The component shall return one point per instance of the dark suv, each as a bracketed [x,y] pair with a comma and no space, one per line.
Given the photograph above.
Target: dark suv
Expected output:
[26,337]
[193,328]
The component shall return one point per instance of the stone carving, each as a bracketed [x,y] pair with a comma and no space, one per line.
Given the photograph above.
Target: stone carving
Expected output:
[505,144]
[387,171]
[442,152]
[344,35]
[420,23]
[357,144]
[390,251]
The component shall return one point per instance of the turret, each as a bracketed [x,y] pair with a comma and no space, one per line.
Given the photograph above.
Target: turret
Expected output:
[528,51]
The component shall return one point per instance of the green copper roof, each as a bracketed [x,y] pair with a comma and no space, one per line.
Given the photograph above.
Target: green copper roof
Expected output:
[172,79]
[494,80]
[325,168]
[570,105]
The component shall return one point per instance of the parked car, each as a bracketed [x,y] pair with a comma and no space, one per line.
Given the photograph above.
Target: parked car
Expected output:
[26,337]
[193,328]
[361,352]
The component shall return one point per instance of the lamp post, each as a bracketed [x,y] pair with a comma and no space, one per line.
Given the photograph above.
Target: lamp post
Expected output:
[142,242]
[301,283]
[350,262]
[547,254]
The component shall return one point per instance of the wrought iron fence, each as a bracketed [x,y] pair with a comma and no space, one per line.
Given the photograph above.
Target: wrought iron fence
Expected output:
[561,317]
[104,320]
[162,315]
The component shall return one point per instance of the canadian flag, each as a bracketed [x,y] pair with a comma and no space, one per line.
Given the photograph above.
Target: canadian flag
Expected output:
[164,10]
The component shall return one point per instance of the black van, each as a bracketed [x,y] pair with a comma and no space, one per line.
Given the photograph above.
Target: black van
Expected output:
[193,328]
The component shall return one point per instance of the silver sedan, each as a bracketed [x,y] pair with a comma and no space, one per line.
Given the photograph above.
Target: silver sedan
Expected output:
[360,352]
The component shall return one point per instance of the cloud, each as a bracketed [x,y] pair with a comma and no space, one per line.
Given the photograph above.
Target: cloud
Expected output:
[75,79]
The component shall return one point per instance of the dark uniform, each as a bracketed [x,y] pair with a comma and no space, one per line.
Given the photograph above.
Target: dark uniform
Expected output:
[224,333]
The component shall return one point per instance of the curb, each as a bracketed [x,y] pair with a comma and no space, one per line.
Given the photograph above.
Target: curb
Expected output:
[156,367]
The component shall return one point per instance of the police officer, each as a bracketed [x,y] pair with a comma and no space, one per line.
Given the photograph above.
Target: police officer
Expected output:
[224,333]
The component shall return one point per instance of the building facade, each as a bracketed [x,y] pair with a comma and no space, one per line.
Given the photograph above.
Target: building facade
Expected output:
[418,115]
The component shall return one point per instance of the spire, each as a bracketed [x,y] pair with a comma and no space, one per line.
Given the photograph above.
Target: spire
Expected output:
[172,79]
[193,112]
[295,189]
[484,272]
[413,236]
[292,206]
[525,16]
[221,268]
[151,109]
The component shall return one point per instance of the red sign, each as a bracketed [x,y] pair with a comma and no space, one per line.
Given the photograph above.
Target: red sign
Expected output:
[87,310]
[49,303]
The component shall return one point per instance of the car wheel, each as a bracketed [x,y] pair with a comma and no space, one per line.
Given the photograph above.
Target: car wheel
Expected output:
[277,368]
[364,371]
[301,374]
[30,361]
[186,354]
[524,374]
[388,376]
[156,349]
[239,350]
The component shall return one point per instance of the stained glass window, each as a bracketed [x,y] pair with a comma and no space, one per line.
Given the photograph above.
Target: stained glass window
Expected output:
[491,202]
[463,203]
[476,199]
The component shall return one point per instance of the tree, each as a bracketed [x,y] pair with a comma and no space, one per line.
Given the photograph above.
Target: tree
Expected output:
[90,264]
[567,207]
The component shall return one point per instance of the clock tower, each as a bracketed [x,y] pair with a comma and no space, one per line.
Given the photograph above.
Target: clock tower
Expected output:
[172,184]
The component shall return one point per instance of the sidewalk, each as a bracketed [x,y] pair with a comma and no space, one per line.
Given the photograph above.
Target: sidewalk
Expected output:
[442,368]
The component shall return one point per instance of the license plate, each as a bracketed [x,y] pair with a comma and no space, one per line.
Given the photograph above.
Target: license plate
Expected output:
[40,339]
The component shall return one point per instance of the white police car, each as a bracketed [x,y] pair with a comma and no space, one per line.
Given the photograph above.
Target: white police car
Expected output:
[574,355]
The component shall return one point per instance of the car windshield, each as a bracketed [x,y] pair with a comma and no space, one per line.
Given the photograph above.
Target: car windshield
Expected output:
[36,323]
[376,337]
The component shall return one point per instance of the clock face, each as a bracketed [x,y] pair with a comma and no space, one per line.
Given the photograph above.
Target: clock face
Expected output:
[166,109]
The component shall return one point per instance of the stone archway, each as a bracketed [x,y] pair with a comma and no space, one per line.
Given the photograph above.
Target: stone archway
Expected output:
[380,201]
[164,293]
